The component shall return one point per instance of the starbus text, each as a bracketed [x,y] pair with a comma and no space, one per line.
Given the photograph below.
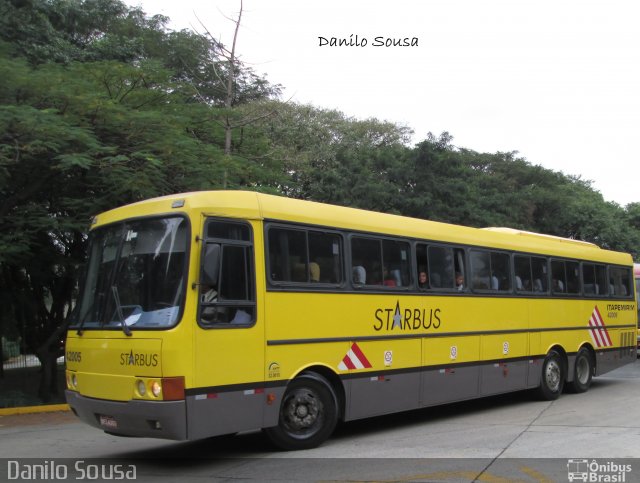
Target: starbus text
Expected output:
[406,319]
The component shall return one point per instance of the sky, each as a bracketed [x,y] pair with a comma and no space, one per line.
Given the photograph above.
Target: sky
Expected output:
[557,81]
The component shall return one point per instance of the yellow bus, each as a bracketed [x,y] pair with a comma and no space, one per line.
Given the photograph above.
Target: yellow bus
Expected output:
[636,276]
[217,312]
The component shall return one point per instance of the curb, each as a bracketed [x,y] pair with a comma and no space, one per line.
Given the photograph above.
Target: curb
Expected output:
[34,409]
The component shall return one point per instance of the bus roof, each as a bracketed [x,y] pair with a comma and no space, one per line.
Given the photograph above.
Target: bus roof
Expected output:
[259,206]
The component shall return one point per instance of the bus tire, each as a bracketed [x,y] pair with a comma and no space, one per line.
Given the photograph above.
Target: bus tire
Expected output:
[582,372]
[552,379]
[308,414]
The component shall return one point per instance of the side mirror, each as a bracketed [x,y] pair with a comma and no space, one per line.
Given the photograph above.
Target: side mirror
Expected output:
[210,264]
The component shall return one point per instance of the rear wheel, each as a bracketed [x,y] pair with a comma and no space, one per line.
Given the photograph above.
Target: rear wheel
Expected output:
[552,380]
[308,414]
[582,372]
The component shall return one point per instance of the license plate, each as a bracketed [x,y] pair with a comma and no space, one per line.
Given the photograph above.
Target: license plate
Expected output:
[108,422]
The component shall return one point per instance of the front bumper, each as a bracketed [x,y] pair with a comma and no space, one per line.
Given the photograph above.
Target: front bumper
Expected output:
[150,419]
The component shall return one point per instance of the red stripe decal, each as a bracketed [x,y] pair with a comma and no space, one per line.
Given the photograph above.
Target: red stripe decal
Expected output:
[363,359]
[348,363]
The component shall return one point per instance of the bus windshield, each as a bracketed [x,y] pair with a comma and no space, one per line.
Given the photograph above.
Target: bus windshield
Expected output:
[135,275]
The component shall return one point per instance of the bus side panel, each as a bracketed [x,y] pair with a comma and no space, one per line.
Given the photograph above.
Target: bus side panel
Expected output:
[504,374]
[450,384]
[454,371]
[376,393]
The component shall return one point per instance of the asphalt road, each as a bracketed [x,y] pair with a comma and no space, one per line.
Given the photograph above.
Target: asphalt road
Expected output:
[499,439]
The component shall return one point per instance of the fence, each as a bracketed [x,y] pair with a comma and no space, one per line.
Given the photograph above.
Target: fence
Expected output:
[20,377]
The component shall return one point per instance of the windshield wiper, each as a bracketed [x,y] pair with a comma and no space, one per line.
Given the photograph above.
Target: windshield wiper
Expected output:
[116,298]
[84,318]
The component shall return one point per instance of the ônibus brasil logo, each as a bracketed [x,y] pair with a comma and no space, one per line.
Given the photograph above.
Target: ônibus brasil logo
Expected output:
[595,471]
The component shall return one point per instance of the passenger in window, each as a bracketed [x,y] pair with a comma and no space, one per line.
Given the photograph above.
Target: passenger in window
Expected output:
[359,275]
[314,272]
[519,284]
[388,280]
[558,285]
[241,317]
[423,279]
[459,282]
[495,283]
[537,285]
[622,290]
[209,294]
[211,314]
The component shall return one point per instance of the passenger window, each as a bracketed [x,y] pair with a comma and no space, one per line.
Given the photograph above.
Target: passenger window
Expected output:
[531,274]
[304,256]
[594,281]
[446,268]
[619,281]
[490,270]
[380,262]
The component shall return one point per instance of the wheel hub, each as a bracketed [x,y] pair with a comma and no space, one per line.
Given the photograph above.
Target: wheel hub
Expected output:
[302,411]
[552,375]
[582,371]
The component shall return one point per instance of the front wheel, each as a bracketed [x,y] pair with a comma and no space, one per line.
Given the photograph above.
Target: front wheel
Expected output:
[552,380]
[308,414]
[582,372]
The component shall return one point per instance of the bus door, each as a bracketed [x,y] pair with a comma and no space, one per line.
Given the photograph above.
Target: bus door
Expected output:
[228,393]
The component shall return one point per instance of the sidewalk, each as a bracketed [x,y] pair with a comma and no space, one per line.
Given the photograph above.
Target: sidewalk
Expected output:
[56,417]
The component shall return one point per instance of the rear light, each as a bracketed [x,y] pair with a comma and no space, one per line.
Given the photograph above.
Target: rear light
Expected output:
[172,388]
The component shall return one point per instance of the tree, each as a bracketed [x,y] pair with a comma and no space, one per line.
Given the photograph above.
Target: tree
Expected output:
[98,109]
[324,152]
[236,84]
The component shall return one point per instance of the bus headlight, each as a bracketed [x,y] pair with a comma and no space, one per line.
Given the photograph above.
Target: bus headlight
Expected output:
[142,390]
[156,388]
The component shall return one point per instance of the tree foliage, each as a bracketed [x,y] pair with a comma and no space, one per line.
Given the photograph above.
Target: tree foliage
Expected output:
[98,108]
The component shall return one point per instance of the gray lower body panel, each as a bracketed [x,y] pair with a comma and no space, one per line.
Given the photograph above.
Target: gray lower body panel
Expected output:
[612,359]
[232,411]
[449,384]
[374,395]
